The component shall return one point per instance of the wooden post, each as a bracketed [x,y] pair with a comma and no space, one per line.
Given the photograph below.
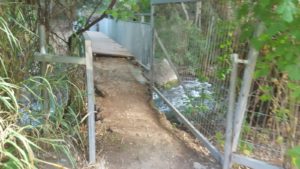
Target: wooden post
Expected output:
[91,99]
[231,104]
[245,89]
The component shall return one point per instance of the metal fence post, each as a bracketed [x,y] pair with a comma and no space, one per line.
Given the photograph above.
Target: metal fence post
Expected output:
[142,18]
[91,100]
[231,105]
[42,36]
[152,50]
[245,89]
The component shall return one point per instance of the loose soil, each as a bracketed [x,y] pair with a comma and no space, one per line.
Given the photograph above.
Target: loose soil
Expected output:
[131,133]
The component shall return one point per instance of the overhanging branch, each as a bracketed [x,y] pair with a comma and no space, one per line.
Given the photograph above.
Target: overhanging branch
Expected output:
[88,26]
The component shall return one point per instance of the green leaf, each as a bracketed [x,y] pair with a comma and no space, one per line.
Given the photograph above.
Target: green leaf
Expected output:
[265,3]
[265,97]
[293,71]
[287,9]
[262,70]
[243,10]
[295,90]
[295,155]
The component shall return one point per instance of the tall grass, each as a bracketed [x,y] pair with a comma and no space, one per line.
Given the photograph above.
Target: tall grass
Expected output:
[28,127]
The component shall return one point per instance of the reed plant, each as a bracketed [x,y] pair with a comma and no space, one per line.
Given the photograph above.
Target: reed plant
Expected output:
[38,113]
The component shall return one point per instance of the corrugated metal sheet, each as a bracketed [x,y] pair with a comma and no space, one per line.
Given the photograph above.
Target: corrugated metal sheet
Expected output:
[135,37]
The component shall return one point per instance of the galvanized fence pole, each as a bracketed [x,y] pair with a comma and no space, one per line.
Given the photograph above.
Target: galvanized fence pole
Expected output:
[152,50]
[211,148]
[245,89]
[42,36]
[229,120]
[91,99]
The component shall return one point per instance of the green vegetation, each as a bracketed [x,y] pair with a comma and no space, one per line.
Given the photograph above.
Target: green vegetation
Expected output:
[41,113]
[188,46]
[278,63]
[198,48]
[201,50]
[28,128]
[295,156]
[201,39]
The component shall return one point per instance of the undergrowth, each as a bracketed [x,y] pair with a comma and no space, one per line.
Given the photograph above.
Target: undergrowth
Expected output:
[38,113]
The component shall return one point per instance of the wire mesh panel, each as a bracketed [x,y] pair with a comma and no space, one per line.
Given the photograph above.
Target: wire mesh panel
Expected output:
[270,127]
[193,42]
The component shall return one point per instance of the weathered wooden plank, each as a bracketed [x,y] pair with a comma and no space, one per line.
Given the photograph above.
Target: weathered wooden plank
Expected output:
[59,58]
[91,100]
[252,163]
[103,45]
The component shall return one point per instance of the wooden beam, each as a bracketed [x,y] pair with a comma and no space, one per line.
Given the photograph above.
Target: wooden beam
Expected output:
[59,58]
[252,163]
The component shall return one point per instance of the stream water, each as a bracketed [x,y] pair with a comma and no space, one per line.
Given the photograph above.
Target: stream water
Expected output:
[32,112]
[189,93]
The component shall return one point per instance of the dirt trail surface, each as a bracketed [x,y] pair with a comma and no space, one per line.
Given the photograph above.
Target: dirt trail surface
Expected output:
[130,134]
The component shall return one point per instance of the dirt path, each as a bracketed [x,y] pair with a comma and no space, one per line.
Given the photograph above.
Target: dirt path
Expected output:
[130,135]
